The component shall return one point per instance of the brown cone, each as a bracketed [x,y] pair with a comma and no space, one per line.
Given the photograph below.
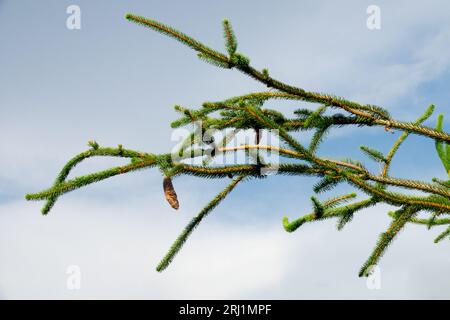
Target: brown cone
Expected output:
[170,193]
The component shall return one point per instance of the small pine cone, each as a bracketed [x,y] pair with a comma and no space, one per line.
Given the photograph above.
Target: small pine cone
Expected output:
[170,193]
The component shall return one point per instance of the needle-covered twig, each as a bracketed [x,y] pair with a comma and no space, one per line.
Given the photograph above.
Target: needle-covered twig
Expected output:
[247,112]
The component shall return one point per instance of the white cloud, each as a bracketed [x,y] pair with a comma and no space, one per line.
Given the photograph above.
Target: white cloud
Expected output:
[118,246]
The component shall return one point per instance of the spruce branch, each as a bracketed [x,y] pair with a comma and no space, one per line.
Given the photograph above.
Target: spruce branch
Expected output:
[428,112]
[318,208]
[374,154]
[443,235]
[445,184]
[176,246]
[327,214]
[375,113]
[177,35]
[247,112]
[443,149]
[230,38]
[428,222]
[403,216]
[318,137]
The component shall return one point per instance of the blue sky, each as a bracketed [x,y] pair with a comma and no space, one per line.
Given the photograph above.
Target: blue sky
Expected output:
[117,82]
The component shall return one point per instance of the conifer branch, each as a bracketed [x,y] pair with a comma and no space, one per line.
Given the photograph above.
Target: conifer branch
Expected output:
[175,248]
[402,138]
[230,38]
[404,215]
[247,112]
[443,148]
[443,235]
[428,222]
[327,214]
[374,154]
